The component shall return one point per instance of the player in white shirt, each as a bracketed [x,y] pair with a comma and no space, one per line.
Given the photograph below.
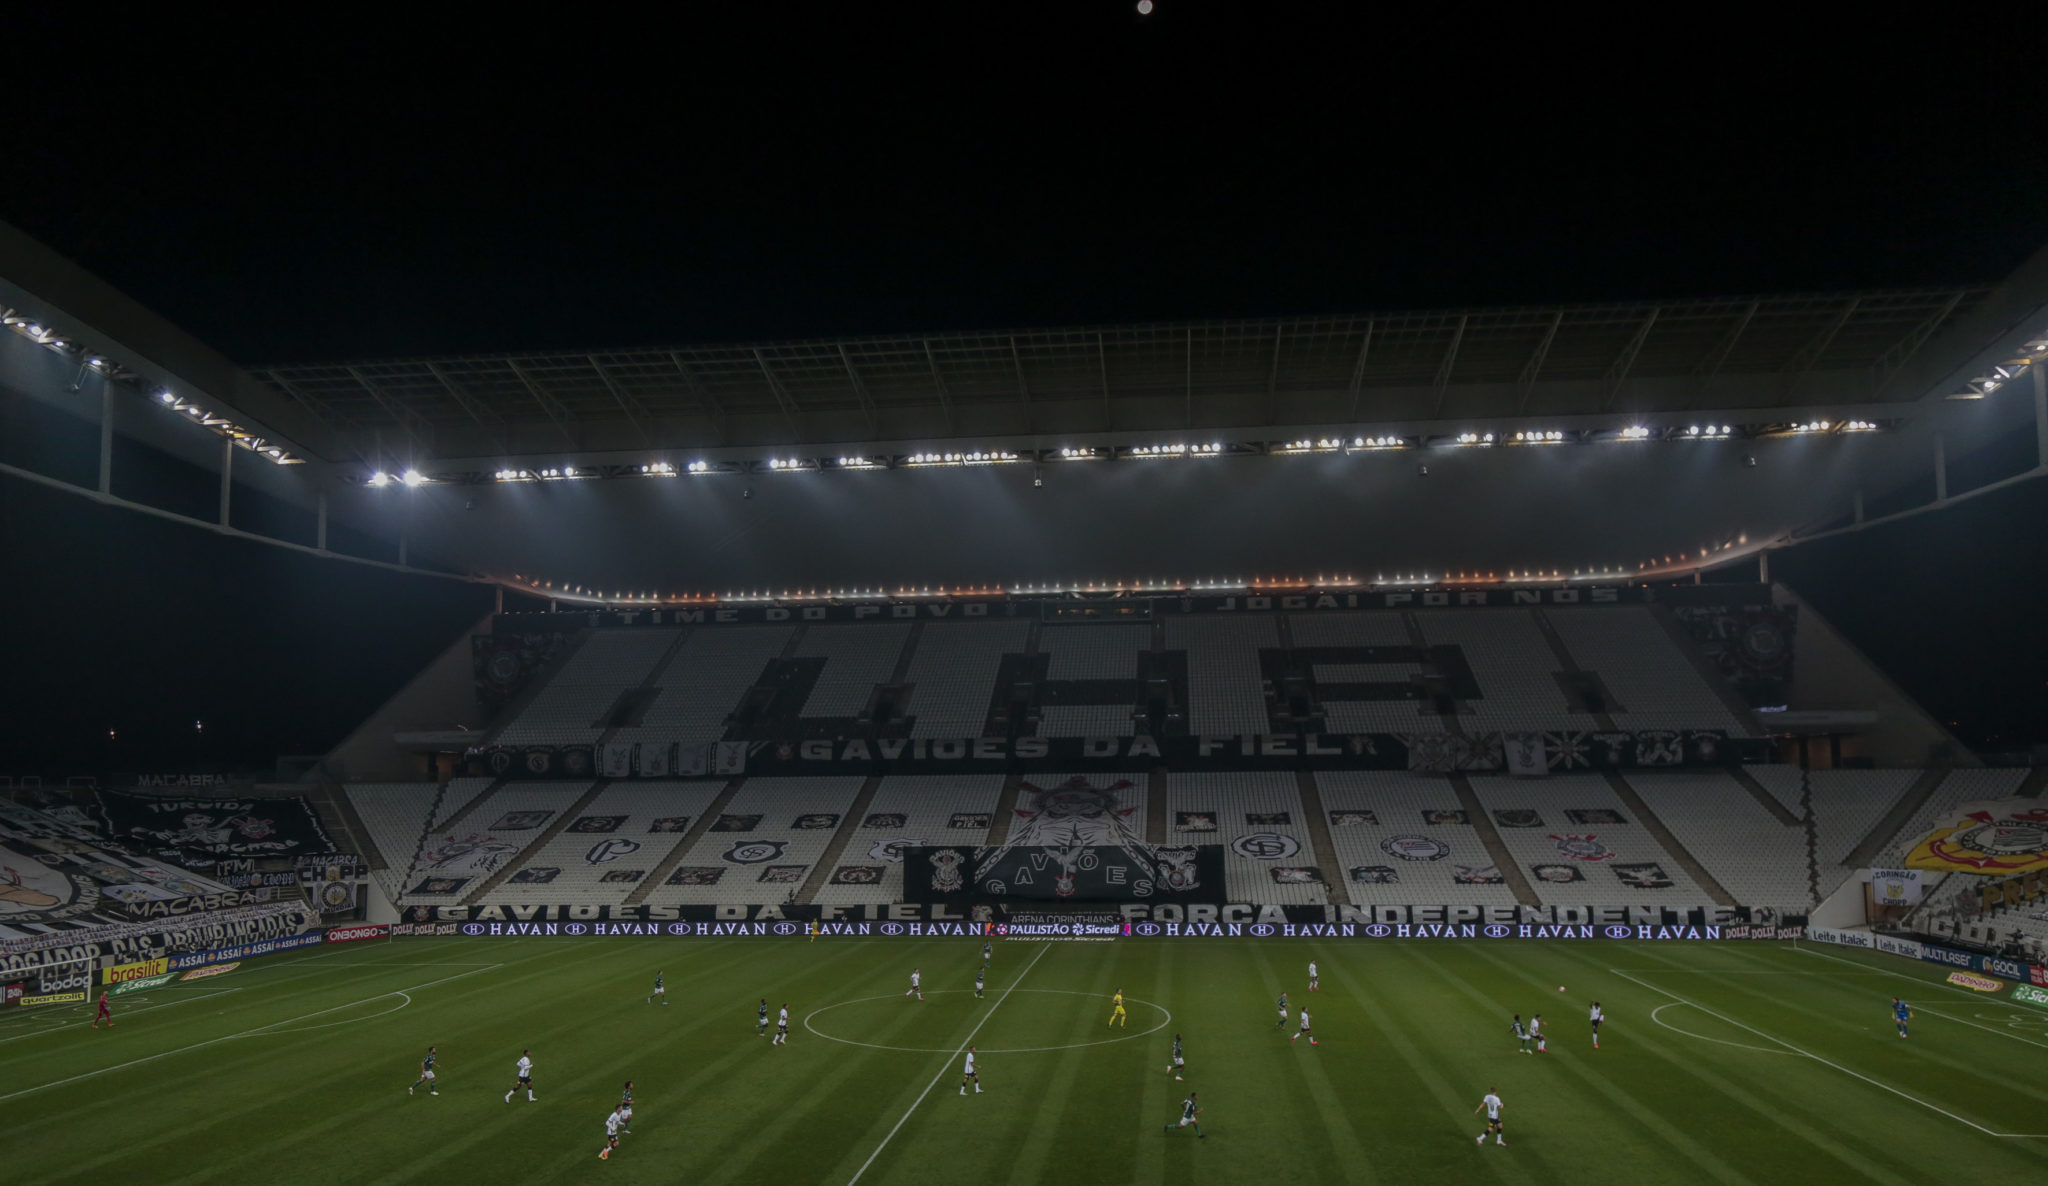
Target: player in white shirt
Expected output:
[1597,1017]
[916,980]
[782,1028]
[1313,981]
[1536,1032]
[524,1070]
[970,1075]
[1303,1032]
[611,1135]
[1492,1105]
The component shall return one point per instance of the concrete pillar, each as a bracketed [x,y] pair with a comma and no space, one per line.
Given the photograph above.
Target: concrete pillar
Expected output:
[106,435]
[1763,567]
[227,474]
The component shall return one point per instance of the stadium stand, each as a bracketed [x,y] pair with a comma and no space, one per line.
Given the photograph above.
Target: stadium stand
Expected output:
[703,683]
[857,657]
[396,815]
[953,674]
[572,705]
[1259,816]
[1404,838]
[1516,670]
[1757,859]
[456,861]
[1348,630]
[611,846]
[1086,720]
[1579,845]
[1847,804]
[1226,693]
[905,810]
[762,846]
[1958,788]
[1093,652]
[1652,681]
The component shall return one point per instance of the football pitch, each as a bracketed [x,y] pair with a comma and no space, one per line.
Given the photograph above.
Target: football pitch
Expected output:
[1719,1062]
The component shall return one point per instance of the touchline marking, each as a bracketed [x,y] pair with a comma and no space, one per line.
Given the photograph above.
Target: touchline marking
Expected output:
[231,1037]
[1980,998]
[1702,1037]
[946,1066]
[2024,1136]
[51,1029]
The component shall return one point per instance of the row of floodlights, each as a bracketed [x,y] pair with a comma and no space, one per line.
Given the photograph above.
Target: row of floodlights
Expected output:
[2031,353]
[974,457]
[43,335]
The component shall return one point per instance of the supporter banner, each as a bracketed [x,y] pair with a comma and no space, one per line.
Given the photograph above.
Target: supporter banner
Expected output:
[1895,887]
[1756,923]
[1749,641]
[357,934]
[122,973]
[52,998]
[141,985]
[330,880]
[1123,873]
[222,955]
[197,904]
[280,880]
[525,624]
[2003,836]
[1563,751]
[225,827]
[616,760]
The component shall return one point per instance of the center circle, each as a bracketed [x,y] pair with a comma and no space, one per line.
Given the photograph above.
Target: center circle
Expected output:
[1165,1019]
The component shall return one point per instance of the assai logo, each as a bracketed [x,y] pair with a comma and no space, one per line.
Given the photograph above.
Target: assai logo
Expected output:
[1265,846]
[755,852]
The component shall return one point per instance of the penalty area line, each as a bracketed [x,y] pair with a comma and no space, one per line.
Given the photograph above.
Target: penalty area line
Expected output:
[2024,1136]
[231,1037]
[947,1066]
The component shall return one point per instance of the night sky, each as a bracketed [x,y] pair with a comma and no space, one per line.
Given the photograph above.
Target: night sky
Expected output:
[296,189]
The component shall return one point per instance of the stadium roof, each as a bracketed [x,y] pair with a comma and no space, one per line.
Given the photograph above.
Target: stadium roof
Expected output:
[1723,354]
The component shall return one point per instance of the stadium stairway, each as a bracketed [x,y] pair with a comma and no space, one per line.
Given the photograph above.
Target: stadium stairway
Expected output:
[701,825]
[1662,615]
[1566,664]
[562,821]
[1764,798]
[1006,810]
[1909,804]
[821,871]
[1648,819]
[1420,641]
[1482,823]
[334,806]
[1334,884]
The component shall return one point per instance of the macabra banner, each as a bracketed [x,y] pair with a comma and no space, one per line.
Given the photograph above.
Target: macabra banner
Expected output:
[228,827]
[1998,837]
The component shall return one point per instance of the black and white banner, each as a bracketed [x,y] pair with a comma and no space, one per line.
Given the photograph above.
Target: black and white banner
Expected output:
[331,880]
[214,828]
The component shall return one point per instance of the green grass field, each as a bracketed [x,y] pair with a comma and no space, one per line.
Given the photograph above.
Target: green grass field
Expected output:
[1727,1063]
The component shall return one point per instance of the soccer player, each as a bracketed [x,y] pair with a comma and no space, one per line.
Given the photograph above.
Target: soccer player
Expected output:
[980,979]
[1901,1014]
[1522,1035]
[524,1071]
[1597,1018]
[1282,1023]
[612,1124]
[970,1075]
[426,1074]
[659,991]
[626,1109]
[1179,1064]
[761,1020]
[1313,981]
[1492,1105]
[1117,1016]
[782,1028]
[1304,1031]
[916,981]
[105,1011]
[1536,1032]
[987,952]
[1189,1109]
[814,930]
